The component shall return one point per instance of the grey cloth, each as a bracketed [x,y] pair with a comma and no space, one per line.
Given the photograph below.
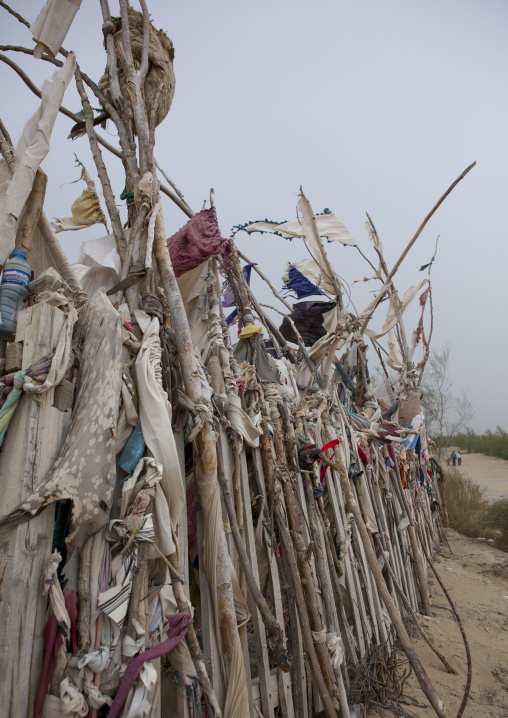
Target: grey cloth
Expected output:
[85,471]
[243,352]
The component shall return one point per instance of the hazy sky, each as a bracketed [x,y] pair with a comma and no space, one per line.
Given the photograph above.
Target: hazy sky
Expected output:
[369,106]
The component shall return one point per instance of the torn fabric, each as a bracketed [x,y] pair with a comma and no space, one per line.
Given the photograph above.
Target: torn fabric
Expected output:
[396,308]
[52,25]
[328,224]
[86,209]
[196,241]
[31,150]
[85,471]
[155,417]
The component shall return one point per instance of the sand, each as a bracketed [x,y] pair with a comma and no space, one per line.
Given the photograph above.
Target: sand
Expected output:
[476,575]
[488,471]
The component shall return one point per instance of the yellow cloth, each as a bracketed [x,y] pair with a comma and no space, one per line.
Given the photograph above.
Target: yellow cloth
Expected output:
[250,331]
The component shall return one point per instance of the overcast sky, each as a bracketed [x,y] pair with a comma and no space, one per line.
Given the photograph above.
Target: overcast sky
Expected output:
[369,106]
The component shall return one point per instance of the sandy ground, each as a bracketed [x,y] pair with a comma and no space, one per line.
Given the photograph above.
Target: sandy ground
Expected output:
[476,575]
[488,471]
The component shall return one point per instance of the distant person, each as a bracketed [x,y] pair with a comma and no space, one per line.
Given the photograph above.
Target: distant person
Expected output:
[459,458]
[454,458]
[449,460]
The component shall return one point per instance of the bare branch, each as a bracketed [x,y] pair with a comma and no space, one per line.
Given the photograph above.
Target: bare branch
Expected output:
[28,82]
[173,185]
[7,148]
[101,169]
[143,68]
[15,14]
[387,284]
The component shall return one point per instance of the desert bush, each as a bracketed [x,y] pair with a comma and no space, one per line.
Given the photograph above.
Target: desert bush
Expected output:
[492,443]
[495,521]
[465,503]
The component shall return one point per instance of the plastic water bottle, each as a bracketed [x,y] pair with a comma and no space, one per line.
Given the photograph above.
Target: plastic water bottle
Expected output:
[13,292]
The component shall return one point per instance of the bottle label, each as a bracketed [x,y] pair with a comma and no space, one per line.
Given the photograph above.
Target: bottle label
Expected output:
[15,275]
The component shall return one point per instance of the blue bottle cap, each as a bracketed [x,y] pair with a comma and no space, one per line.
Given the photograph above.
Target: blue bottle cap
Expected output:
[19,253]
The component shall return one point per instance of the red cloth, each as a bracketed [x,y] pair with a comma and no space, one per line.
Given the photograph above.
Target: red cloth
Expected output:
[52,642]
[198,240]
[330,445]
[178,626]
[363,456]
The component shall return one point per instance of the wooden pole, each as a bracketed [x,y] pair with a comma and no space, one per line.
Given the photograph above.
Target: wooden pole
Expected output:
[388,282]
[425,683]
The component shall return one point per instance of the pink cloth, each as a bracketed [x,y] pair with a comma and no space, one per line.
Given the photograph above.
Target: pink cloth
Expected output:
[52,642]
[198,240]
[178,626]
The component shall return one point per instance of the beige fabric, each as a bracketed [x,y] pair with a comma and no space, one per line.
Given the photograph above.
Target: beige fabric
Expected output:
[99,263]
[409,408]
[85,471]
[86,209]
[31,150]
[152,478]
[61,358]
[394,311]
[377,244]
[328,225]
[155,416]
[52,25]
[236,705]
[151,234]
[241,422]
[394,360]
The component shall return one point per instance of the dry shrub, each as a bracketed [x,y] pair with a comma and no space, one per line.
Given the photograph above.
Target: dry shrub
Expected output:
[495,521]
[470,513]
[465,504]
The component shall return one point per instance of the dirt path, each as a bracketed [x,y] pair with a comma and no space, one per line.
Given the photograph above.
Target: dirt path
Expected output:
[477,578]
[488,471]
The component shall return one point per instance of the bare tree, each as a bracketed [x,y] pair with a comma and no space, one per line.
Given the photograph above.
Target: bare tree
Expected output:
[446,412]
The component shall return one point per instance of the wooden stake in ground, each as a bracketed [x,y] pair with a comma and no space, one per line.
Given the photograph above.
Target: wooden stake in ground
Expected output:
[405,642]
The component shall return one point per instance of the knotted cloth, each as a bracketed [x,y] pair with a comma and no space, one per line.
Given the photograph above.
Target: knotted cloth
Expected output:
[198,240]
[178,626]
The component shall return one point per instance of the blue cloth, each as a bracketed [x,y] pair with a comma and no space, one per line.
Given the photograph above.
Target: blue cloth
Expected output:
[299,284]
[132,452]
[229,299]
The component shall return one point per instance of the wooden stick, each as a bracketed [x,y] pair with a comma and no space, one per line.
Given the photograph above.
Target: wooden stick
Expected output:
[404,639]
[28,82]
[191,212]
[277,640]
[294,577]
[387,284]
[461,627]
[206,480]
[192,641]
[413,614]
[422,582]
[263,276]
[109,197]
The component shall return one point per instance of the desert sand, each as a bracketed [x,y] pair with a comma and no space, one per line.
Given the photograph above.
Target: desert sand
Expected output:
[476,575]
[488,471]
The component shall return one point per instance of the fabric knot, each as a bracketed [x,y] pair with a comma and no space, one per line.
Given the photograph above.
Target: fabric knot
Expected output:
[319,636]
[96,660]
[152,306]
[318,491]
[128,196]
[29,386]
[202,414]
[108,28]
[73,702]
